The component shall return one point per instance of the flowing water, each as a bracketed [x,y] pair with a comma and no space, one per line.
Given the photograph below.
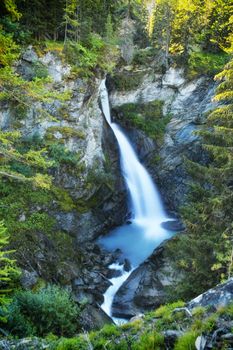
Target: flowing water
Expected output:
[138,239]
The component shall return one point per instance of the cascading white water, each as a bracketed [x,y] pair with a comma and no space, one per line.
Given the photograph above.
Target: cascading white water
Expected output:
[139,239]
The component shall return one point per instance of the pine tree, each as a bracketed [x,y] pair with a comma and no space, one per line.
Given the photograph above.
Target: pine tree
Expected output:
[8,271]
[71,20]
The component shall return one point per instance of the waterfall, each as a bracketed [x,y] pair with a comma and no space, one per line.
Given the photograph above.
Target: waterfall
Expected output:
[138,240]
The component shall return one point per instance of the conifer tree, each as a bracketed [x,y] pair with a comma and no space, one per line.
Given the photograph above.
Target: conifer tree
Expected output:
[8,271]
[71,20]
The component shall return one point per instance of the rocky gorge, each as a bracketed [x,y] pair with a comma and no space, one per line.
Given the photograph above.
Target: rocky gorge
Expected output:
[94,190]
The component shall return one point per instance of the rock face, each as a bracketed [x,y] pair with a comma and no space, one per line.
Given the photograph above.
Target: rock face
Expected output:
[145,288]
[92,193]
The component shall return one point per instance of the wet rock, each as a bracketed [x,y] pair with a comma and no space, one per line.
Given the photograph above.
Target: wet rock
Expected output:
[174,225]
[93,317]
[145,288]
[112,273]
[127,265]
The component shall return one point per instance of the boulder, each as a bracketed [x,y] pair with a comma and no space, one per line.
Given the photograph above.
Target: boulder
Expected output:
[216,297]
[28,279]
[93,317]
[144,289]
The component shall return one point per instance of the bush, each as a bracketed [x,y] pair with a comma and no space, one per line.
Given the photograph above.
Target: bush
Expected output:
[84,57]
[49,310]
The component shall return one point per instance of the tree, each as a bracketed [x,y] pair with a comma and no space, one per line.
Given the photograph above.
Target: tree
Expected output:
[8,271]
[71,20]
[218,26]
[162,24]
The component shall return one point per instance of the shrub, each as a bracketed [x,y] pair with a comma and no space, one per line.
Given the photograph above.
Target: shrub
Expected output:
[40,71]
[60,154]
[49,310]
[86,56]
[127,81]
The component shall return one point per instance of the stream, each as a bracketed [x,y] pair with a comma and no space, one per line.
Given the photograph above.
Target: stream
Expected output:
[138,239]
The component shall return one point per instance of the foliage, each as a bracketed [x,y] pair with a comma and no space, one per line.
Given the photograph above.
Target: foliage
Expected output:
[206,63]
[144,56]
[9,50]
[13,157]
[49,310]
[126,81]
[87,57]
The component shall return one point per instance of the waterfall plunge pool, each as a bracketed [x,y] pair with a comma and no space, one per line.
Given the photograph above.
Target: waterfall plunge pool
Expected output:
[136,243]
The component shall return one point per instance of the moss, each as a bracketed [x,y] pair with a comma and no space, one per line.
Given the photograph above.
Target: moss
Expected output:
[110,330]
[66,131]
[65,201]
[147,117]
[199,312]
[227,310]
